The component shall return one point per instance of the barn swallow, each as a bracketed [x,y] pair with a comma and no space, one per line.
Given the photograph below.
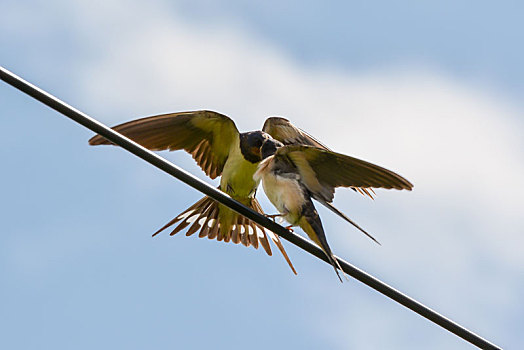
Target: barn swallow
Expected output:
[220,150]
[292,175]
[284,131]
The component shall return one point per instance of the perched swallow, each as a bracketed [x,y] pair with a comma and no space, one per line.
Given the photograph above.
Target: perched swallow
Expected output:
[292,175]
[284,131]
[220,150]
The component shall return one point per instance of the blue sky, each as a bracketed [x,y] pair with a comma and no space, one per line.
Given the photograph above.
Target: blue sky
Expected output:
[431,90]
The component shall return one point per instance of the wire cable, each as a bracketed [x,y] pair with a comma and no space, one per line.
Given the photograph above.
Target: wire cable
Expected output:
[223,198]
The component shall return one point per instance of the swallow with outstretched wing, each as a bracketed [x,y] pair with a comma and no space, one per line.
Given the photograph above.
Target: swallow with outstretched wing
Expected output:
[284,131]
[292,175]
[220,150]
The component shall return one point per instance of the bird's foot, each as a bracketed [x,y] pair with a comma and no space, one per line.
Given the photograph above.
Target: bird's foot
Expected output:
[272,216]
[289,228]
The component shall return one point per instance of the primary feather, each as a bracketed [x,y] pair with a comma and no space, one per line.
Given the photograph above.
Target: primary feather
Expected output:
[214,142]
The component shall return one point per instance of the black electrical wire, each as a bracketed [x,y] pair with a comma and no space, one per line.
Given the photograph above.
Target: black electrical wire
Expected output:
[223,198]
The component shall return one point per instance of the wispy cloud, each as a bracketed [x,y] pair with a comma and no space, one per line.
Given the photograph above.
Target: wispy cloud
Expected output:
[459,144]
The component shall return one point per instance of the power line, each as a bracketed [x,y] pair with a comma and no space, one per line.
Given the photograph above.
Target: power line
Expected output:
[223,198]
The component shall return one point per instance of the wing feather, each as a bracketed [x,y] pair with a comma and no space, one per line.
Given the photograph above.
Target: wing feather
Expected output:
[282,130]
[322,171]
[206,135]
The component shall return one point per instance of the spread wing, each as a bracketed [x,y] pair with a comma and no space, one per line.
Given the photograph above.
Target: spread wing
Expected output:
[282,130]
[206,135]
[321,171]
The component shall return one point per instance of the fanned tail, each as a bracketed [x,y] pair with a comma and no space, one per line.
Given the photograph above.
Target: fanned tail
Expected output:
[365,191]
[256,207]
[204,216]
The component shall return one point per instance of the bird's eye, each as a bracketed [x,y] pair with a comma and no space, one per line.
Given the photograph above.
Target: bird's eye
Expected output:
[257,141]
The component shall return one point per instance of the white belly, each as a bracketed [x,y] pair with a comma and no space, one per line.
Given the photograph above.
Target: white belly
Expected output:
[285,194]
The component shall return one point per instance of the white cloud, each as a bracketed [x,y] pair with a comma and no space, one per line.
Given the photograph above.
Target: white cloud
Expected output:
[460,145]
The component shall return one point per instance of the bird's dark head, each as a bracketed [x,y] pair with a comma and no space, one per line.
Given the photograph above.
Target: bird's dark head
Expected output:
[251,143]
[269,147]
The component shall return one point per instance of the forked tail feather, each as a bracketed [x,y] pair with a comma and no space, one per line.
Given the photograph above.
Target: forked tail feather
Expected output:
[204,216]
